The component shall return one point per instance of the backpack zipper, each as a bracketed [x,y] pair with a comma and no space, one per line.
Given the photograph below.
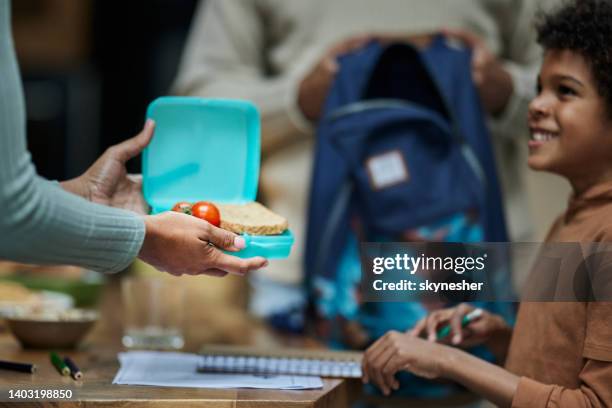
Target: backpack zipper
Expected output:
[363,106]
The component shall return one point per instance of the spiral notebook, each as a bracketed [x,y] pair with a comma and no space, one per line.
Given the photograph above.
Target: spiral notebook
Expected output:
[228,359]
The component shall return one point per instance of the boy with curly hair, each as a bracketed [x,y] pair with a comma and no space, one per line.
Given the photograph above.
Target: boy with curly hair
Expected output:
[559,354]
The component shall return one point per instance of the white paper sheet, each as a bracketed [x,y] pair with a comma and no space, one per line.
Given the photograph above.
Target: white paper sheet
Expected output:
[170,369]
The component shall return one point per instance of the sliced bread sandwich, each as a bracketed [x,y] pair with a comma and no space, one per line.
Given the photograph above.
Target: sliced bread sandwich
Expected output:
[251,218]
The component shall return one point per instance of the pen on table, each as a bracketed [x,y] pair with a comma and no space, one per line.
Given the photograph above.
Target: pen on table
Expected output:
[467,319]
[59,364]
[74,370]
[21,367]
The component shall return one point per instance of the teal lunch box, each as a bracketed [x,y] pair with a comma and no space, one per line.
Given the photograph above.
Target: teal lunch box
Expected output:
[207,150]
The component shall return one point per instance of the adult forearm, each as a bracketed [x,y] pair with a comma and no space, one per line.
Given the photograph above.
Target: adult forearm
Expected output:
[481,377]
[44,224]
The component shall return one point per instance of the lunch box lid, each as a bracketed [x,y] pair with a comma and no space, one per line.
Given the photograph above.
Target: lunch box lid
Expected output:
[202,149]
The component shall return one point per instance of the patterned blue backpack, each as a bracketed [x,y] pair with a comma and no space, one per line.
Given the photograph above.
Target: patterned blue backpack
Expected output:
[402,154]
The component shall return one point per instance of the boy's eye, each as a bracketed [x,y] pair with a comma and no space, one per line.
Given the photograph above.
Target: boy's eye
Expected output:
[566,90]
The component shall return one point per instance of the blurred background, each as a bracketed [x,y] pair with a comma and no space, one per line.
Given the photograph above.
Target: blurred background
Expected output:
[90,68]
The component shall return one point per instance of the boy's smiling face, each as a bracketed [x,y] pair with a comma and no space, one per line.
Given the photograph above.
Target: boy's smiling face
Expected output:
[571,131]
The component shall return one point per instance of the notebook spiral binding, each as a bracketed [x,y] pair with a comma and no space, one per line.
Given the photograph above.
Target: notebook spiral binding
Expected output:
[283,361]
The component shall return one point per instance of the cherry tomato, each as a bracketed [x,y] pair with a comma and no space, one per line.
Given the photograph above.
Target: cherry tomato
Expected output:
[183,207]
[207,211]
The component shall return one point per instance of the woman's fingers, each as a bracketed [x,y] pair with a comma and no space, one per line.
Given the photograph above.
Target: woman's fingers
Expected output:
[238,266]
[132,147]
[182,244]
[229,241]
[214,272]
[223,239]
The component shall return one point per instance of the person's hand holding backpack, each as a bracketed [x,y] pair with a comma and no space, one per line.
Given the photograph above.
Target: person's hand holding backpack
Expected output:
[315,86]
[493,81]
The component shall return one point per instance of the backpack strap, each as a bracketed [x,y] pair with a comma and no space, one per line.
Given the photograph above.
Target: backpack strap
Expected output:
[336,216]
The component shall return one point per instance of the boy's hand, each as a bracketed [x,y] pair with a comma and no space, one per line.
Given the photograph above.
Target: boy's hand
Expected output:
[478,332]
[181,244]
[397,351]
[494,83]
[107,182]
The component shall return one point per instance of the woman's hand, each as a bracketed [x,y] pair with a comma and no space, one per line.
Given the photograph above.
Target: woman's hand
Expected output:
[107,182]
[181,244]
[397,351]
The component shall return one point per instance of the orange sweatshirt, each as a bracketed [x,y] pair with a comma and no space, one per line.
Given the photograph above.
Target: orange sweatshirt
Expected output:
[563,350]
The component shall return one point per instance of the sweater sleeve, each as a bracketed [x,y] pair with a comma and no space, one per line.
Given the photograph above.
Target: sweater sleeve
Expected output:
[594,391]
[521,56]
[40,222]
[225,57]
[595,378]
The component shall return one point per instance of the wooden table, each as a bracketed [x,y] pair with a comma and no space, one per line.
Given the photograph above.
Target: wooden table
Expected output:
[97,358]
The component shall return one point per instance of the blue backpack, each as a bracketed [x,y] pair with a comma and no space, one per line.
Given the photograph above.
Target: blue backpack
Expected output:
[402,153]
[402,145]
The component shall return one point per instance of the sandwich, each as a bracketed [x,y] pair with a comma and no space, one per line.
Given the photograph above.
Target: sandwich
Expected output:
[251,218]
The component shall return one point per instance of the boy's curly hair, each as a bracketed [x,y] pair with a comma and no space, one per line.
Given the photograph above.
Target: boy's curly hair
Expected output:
[585,27]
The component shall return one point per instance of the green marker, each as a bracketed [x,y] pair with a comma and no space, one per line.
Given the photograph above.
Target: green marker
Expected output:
[467,319]
[59,364]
